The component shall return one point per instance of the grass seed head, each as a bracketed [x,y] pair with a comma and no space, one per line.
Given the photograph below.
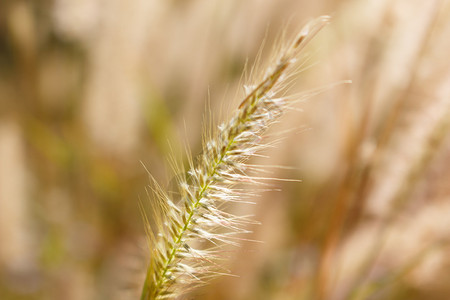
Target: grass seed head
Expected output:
[179,263]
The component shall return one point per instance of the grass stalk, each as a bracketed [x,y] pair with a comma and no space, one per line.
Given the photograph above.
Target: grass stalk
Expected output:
[177,262]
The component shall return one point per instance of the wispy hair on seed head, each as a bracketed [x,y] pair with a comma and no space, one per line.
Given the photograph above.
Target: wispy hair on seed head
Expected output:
[187,236]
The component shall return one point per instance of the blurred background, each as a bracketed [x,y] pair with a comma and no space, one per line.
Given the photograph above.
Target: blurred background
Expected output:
[92,90]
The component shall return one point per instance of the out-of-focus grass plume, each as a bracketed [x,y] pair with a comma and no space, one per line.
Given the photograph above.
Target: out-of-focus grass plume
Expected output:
[90,89]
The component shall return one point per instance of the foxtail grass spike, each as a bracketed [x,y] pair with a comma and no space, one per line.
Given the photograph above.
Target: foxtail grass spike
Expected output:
[185,245]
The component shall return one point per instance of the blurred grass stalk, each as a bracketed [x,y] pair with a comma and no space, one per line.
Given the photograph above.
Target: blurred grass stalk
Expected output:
[16,255]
